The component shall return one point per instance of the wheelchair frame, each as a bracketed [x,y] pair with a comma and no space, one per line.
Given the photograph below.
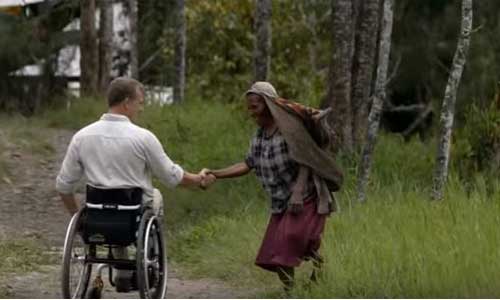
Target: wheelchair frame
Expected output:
[150,261]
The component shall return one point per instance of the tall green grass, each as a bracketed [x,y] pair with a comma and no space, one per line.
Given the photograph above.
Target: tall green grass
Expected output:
[398,244]
[402,245]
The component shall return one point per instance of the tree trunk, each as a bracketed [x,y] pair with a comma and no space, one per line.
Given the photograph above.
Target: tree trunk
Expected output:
[180,51]
[384,51]
[262,52]
[448,108]
[105,43]
[88,48]
[134,54]
[363,65]
[340,76]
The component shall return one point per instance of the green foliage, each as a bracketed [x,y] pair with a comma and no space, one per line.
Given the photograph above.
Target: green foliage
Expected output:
[477,143]
[220,46]
[220,43]
[220,37]
[301,49]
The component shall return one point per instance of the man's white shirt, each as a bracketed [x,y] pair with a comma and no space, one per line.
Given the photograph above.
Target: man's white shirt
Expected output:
[115,153]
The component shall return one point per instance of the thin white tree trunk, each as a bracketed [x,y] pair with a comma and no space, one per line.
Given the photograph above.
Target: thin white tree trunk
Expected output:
[378,100]
[180,51]
[448,108]
[262,52]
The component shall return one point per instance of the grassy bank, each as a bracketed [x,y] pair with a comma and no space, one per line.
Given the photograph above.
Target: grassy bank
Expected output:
[399,244]
[18,257]
[20,136]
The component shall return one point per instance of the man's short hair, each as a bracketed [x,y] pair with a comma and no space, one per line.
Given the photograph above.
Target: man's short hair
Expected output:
[122,88]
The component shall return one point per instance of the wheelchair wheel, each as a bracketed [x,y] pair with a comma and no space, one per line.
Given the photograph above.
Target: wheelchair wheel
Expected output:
[75,272]
[151,258]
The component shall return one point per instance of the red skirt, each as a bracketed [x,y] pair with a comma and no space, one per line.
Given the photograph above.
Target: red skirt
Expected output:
[289,238]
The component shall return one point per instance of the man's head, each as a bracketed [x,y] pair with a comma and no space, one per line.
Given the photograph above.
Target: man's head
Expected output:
[256,105]
[126,96]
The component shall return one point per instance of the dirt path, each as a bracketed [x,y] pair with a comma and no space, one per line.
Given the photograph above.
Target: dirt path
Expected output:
[30,208]
[45,284]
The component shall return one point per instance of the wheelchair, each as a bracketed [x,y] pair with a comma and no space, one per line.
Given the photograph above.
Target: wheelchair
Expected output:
[114,218]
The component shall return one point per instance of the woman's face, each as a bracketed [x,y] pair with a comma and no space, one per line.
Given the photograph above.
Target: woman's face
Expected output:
[258,110]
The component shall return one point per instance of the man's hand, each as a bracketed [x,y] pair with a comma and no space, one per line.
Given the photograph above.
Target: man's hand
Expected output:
[70,203]
[207,178]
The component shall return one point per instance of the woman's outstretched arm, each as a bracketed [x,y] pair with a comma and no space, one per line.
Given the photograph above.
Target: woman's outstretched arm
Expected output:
[235,170]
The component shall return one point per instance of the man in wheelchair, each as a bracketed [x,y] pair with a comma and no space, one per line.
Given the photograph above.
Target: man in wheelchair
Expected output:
[118,159]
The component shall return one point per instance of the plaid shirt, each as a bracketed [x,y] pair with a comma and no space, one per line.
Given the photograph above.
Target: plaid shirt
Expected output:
[269,157]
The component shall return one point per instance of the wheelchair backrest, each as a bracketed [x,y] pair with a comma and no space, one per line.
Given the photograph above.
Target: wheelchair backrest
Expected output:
[112,216]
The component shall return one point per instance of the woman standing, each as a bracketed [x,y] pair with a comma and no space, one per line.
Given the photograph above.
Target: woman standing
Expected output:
[298,175]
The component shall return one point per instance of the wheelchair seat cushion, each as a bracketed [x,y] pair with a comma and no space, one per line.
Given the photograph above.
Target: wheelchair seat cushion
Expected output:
[112,216]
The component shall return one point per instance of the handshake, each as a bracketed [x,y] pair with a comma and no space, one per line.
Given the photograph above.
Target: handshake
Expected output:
[207,178]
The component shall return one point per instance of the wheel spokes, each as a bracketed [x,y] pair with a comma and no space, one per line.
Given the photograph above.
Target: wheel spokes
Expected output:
[78,270]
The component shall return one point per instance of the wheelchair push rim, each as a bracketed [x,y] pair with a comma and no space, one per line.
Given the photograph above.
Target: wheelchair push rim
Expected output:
[75,271]
[151,259]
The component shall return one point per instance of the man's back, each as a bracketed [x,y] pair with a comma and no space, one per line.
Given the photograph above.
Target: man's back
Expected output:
[114,153]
